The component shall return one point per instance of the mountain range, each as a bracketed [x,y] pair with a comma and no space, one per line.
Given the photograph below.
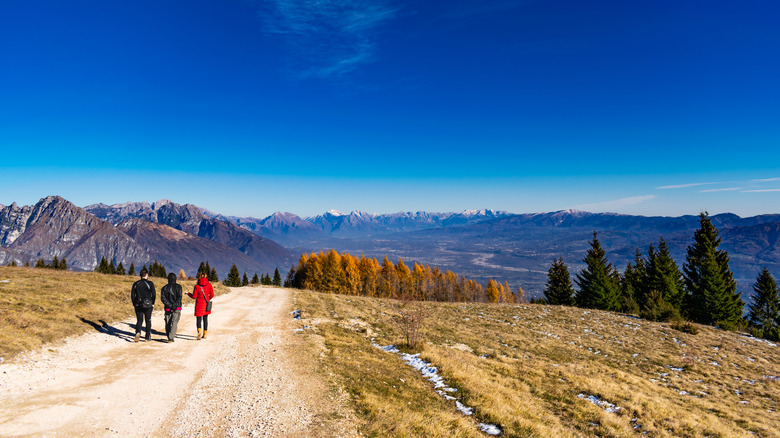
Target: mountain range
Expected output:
[178,236]
[480,244]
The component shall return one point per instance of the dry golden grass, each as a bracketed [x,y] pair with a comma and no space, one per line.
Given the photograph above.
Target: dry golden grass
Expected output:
[39,306]
[522,367]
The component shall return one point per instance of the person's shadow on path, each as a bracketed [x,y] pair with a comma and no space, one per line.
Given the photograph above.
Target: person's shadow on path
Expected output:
[126,335]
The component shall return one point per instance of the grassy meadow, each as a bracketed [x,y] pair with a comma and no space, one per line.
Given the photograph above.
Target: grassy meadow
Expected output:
[530,368]
[40,306]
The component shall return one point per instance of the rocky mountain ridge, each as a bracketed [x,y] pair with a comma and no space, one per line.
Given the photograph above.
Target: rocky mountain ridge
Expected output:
[179,237]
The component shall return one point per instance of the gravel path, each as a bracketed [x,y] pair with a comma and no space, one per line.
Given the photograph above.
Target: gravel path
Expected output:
[246,379]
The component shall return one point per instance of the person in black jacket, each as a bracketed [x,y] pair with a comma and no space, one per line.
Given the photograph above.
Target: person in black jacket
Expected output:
[170,294]
[143,295]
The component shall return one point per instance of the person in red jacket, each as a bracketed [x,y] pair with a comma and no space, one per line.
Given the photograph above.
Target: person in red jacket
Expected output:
[202,294]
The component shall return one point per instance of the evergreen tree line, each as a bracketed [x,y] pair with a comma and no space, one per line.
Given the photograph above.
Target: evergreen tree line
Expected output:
[235,280]
[345,274]
[105,266]
[57,264]
[654,287]
[211,273]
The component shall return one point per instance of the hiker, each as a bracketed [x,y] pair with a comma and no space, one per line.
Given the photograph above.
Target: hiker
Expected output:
[170,295]
[143,295]
[202,294]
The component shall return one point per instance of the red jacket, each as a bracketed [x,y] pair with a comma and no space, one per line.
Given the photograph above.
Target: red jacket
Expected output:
[202,288]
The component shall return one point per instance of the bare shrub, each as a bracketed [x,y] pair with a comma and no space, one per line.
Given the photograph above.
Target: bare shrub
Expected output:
[410,319]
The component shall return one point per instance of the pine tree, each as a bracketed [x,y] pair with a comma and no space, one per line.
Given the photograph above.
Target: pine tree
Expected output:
[764,312]
[245,280]
[120,269]
[559,290]
[290,280]
[40,263]
[212,275]
[55,263]
[233,278]
[255,279]
[103,266]
[112,267]
[63,264]
[632,284]
[277,278]
[664,276]
[131,271]
[598,286]
[712,296]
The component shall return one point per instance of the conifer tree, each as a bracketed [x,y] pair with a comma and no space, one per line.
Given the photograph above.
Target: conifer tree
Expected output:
[255,279]
[103,266]
[352,274]
[388,279]
[712,296]
[120,269]
[40,263]
[112,267]
[663,275]
[233,278]
[202,269]
[598,286]
[632,284]
[289,281]
[277,278]
[493,292]
[131,271]
[212,275]
[559,290]
[245,280]
[63,264]
[55,263]
[764,312]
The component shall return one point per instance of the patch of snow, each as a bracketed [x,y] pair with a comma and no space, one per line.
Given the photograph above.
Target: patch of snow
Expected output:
[608,407]
[465,410]
[490,429]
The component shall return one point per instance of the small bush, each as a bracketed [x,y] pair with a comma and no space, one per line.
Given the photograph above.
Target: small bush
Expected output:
[685,327]
[411,319]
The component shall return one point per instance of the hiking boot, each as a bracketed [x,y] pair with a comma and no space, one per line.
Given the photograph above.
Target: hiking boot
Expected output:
[204,334]
[199,335]
[137,336]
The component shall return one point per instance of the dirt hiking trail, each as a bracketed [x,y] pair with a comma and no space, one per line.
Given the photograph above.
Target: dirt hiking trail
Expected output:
[245,379]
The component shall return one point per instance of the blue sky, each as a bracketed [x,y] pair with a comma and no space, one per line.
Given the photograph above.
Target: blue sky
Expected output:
[247,107]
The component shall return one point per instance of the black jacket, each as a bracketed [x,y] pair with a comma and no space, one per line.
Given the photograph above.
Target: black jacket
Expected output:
[142,289]
[171,294]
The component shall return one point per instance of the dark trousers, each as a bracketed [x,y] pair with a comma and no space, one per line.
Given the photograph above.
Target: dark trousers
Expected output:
[205,319]
[140,315]
[172,323]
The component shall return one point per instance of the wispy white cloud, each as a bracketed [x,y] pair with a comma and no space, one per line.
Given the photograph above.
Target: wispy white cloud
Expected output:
[764,180]
[326,37]
[616,204]
[684,186]
[726,189]
[761,190]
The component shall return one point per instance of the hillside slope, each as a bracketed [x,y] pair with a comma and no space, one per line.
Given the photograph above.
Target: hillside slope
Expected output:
[546,371]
